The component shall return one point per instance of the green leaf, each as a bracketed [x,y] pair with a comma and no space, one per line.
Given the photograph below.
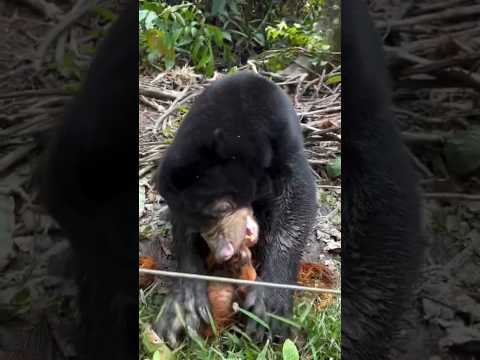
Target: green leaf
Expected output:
[153,56]
[105,13]
[176,33]
[218,7]
[285,320]
[169,61]
[334,79]
[155,40]
[204,58]
[260,38]
[254,317]
[180,19]
[227,36]
[334,168]
[195,50]
[216,33]
[263,354]
[147,18]
[239,33]
[462,152]
[194,31]
[153,344]
[289,351]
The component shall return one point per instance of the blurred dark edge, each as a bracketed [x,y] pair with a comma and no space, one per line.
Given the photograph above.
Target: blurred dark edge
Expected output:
[87,180]
[381,217]
[431,54]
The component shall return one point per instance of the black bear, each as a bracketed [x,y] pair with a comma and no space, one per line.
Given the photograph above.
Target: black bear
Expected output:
[240,145]
[381,221]
[88,181]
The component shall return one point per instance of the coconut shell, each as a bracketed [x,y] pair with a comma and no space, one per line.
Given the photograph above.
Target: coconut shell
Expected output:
[145,262]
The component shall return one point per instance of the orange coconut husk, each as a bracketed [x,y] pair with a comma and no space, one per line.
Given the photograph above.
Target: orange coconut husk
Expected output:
[318,276]
[222,296]
[145,262]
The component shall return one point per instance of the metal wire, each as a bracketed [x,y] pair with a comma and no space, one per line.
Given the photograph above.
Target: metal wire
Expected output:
[237,281]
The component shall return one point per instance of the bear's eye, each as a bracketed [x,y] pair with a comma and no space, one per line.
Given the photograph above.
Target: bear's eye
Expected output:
[220,207]
[223,206]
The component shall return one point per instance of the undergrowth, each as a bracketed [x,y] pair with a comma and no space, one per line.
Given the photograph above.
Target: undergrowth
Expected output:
[316,334]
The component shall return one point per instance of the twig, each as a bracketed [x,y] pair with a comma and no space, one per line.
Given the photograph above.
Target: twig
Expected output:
[461,78]
[326,110]
[405,55]
[429,7]
[16,70]
[15,156]
[251,63]
[308,127]
[423,138]
[451,196]
[52,35]
[153,105]
[441,64]
[463,257]
[318,162]
[435,42]
[155,92]
[441,15]
[330,187]
[181,100]
[320,131]
[420,165]
[426,119]
[37,92]
[145,170]
[306,68]
[49,10]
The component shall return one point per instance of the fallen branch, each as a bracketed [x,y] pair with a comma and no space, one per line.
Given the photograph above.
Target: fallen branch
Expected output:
[411,137]
[442,64]
[15,156]
[47,9]
[67,21]
[422,19]
[451,196]
[36,93]
[181,100]
[156,92]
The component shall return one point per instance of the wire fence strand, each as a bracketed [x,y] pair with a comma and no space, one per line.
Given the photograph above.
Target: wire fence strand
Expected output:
[175,274]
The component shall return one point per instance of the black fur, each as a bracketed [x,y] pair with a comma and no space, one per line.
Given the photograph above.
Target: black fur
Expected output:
[380,202]
[88,182]
[241,140]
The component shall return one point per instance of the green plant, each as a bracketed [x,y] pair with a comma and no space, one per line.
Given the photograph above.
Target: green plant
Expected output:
[305,36]
[244,20]
[180,32]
